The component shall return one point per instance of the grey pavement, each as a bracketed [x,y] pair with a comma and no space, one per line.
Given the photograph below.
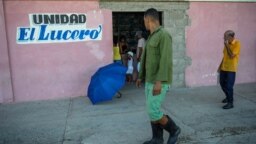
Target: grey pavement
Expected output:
[198,111]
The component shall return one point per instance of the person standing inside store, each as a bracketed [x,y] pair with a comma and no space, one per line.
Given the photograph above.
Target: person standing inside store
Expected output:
[228,67]
[116,51]
[156,70]
[140,47]
[123,49]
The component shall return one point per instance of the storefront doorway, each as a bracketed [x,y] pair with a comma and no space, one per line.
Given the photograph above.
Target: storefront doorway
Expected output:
[125,24]
[174,19]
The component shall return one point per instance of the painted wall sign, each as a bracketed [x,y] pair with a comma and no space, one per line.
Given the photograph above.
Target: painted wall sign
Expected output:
[57,28]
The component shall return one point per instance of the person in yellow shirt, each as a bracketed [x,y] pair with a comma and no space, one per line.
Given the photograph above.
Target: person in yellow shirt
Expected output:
[228,67]
[116,51]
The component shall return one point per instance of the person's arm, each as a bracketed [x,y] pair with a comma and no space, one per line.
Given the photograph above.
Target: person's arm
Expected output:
[219,68]
[230,53]
[140,46]
[141,71]
[120,47]
[165,58]
[140,53]
[235,51]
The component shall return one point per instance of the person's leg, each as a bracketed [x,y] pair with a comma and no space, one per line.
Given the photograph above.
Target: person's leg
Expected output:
[157,117]
[164,120]
[123,57]
[135,71]
[230,84]
[223,84]
[169,125]
[153,104]
[125,60]
[128,78]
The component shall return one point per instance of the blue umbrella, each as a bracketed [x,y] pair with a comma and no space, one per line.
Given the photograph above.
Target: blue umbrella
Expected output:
[106,82]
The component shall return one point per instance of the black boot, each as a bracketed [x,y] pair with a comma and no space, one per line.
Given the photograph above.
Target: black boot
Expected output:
[229,105]
[225,100]
[157,132]
[173,130]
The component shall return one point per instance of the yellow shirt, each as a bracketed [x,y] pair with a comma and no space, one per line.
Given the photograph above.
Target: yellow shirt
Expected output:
[228,63]
[116,53]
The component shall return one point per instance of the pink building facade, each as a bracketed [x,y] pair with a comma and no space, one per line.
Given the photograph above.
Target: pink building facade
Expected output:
[52,70]
[38,71]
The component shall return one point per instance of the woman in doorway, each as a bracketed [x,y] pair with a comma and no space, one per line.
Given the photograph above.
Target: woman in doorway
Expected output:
[116,51]
[123,49]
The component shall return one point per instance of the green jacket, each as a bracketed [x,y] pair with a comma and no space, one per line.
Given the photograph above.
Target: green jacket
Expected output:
[156,62]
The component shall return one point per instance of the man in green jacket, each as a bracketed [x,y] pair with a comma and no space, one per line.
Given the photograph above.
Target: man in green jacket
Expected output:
[156,70]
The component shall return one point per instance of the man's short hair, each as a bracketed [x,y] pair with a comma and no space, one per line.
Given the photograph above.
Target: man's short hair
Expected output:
[153,13]
[230,33]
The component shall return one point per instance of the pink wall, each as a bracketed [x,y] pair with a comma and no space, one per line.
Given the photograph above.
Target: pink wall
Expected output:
[5,75]
[57,70]
[204,40]
[50,71]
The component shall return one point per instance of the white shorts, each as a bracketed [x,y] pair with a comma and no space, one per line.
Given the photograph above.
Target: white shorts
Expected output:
[130,70]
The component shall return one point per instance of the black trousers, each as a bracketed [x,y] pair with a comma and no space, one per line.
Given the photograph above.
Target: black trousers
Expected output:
[227,81]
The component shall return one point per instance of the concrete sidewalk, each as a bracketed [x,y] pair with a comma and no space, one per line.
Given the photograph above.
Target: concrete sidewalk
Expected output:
[197,111]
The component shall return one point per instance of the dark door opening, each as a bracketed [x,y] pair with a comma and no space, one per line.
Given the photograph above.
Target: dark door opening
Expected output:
[127,23]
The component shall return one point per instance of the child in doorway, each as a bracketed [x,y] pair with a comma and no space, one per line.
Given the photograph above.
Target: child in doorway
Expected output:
[130,67]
